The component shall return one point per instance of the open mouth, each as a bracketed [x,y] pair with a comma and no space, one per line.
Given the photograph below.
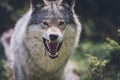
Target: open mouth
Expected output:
[52,47]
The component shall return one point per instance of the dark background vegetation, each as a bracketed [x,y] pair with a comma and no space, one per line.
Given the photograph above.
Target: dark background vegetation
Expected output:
[99,18]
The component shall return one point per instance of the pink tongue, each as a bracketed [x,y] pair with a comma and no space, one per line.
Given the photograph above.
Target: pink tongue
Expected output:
[53,46]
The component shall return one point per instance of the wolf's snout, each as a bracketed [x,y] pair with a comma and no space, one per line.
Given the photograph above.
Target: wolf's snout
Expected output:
[53,37]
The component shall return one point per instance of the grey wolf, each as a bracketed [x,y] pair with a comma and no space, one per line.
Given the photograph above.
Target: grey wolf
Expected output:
[44,39]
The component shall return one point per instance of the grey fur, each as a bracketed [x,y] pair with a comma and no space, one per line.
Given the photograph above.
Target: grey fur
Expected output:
[53,13]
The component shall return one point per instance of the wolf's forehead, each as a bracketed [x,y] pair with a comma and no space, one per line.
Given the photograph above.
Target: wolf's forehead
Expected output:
[52,13]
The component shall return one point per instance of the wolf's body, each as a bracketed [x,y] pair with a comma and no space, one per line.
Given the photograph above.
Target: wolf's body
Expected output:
[36,54]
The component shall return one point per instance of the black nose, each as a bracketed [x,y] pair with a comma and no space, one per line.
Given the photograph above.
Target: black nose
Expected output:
[53,37]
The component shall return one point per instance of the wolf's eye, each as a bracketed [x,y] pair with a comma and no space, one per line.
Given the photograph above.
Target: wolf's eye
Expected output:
[61,23]
[44,24]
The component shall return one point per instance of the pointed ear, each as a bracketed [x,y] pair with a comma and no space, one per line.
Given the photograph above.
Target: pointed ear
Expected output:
[39,3]
[68,3]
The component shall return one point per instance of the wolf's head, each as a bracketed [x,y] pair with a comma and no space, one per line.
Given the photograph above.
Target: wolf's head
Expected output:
[50,18]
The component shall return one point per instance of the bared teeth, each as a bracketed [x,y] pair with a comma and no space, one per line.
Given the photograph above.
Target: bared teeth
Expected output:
[52,47]
[53,55]
[48,43]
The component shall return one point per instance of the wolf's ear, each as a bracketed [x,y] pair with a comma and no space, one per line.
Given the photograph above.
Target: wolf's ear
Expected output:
[39,3]
[68,3]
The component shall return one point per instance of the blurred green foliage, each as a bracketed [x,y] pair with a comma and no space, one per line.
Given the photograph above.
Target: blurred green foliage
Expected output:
[98,61]
[96,67]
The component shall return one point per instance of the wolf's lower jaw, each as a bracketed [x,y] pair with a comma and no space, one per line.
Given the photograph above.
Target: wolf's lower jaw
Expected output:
[47,54]
[53,56]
